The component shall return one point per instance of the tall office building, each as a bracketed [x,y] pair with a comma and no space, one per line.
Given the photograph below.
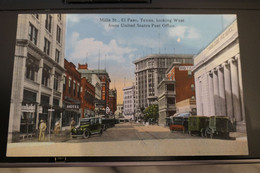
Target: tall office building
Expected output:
[129,102]
[150,70]
[37,75]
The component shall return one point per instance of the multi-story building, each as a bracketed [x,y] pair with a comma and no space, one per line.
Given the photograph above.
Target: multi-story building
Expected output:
[176,91]
[218,79]
[71,94]
[150,70]
[129,102]
[95,81]
[37,75]
[112,101]
[105,81]
[87,99]
[119,111]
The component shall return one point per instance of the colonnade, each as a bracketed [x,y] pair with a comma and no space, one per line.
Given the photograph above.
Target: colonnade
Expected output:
[220,92]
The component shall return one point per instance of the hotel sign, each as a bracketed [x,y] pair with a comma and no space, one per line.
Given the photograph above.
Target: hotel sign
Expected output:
[185,68]
[73,106]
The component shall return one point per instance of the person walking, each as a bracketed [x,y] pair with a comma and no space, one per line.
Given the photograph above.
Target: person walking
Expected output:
[42,128]
[72,123]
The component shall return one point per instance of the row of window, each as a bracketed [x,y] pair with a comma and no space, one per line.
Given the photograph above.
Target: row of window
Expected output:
[75,91]
[31,73]
[33,37]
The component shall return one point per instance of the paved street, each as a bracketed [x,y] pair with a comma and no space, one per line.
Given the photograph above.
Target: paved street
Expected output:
[133,131]
[126,139]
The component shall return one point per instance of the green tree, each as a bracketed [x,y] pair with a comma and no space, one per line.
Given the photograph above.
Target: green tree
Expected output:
[151,112]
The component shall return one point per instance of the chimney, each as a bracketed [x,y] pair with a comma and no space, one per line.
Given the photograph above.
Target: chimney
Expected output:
[83,66]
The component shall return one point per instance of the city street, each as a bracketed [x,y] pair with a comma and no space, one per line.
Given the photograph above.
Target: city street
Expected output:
[134,131]
[132,139]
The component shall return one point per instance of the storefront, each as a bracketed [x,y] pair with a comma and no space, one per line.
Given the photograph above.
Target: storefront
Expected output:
[28,114]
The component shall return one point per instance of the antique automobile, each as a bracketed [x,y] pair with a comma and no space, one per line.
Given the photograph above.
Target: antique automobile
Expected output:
[108,123]
[87,127]
[219,126]
[179,122]
[198,125]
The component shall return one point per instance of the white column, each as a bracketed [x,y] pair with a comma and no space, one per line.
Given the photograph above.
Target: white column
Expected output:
[38,99]
[51,84]
[211,94]
[241,87]
[198,98]
[235,90]
[222,99]
[216,93]
[228,91]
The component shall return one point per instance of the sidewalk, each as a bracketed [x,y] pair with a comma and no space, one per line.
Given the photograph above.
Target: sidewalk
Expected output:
[63,136]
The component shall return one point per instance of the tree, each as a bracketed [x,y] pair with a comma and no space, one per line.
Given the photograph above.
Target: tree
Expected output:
[151,112]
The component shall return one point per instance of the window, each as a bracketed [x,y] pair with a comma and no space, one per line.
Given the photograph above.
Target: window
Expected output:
[74,88]
[78,90]
[48,22]
[56,82]
[32,68]
[57,56]
[189,73]
[56,102]
[64,83]
[70,86]
[46,76]
[33,34]
[46,48]
[58,34]
[192,87]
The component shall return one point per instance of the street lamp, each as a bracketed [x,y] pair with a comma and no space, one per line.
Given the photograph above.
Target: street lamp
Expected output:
[50,111]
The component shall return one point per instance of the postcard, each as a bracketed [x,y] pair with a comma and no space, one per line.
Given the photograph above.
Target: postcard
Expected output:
[127,85]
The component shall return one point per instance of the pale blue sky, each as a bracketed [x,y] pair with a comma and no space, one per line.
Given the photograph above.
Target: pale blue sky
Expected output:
[87,38]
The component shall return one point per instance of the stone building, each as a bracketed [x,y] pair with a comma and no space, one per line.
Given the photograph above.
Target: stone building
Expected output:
[218,79]
[129,102]
[149,72]
[37,75]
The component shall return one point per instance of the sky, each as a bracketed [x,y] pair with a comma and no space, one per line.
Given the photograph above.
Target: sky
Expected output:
[114,41]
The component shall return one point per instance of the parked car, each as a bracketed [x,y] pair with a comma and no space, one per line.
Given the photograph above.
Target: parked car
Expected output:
[87,127]
[108,123]
[218,125]
[198,125]
[179,122]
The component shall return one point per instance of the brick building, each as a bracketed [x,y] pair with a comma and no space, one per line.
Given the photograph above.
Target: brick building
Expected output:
[87,99]
[71,94]
[112,101]
[104,85]
[176,91]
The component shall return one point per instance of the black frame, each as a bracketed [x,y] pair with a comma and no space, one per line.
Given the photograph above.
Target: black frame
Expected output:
[248,16]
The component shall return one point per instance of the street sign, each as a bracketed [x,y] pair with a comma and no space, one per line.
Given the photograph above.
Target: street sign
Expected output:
[51,110]
[107,110]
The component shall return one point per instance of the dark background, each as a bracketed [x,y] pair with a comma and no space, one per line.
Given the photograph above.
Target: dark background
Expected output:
[248,16]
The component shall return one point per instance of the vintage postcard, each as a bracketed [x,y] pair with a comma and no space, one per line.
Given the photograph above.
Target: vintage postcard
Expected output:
[127,85]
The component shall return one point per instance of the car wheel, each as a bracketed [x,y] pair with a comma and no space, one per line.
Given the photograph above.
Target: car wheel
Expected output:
[86,134]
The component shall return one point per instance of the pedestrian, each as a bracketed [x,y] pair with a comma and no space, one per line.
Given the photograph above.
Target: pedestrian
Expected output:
[57,128]
[72,123]
[42,128]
